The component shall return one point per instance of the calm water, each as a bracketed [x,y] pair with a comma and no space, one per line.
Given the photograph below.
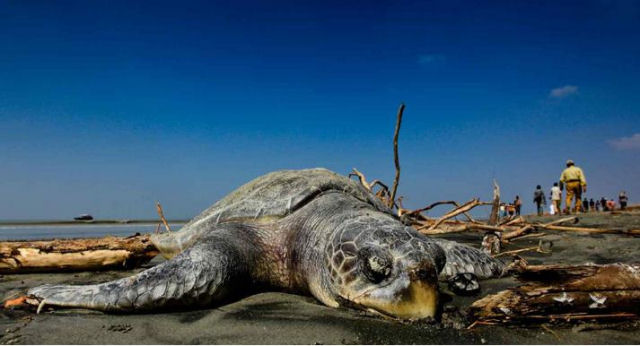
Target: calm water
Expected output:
[75,231]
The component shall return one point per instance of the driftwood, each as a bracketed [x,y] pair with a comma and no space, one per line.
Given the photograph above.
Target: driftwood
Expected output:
[457,211]
[495,207]
[361,178]
[396,160]
[496,231]
[161,215]
[75,254]
[541,248]
[566,292]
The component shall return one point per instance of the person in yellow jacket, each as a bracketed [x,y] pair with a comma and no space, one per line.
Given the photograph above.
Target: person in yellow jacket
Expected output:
[576,184]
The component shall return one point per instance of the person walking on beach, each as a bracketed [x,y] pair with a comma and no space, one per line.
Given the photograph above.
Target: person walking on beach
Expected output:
[518,204]
[585,205]
[611,205]
[592,205]
[598,205]
[603,204]
[623,199]
[576,184]
[556,195]
[539,199]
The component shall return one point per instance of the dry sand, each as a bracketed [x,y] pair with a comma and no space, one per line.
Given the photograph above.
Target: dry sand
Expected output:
[277,318]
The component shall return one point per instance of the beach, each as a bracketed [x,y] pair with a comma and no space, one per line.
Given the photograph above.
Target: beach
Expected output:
[279,318]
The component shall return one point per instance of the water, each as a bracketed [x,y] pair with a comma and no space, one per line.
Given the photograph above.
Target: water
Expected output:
[41,232]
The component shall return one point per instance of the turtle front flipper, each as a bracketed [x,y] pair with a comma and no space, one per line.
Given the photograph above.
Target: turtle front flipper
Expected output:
[465,259]
[202,275]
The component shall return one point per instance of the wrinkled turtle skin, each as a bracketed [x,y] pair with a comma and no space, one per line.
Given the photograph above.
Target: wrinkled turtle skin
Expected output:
[308,231]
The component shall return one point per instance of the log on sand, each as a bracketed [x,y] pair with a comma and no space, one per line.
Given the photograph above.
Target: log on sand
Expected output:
[75,254]
[566,292]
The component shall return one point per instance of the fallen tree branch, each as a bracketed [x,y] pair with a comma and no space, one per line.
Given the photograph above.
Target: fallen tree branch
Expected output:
[538,249]
[590,230]
[559,221]
[463,208]
[417,212]
[361,178]
[75,254]
[495,207]
[567,292]
[517,233]
[514,221]
[396,160]
[530,235]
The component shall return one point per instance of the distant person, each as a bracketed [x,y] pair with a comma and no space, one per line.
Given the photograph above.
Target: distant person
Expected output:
[585,205]
[603,204]
[611,205]
[592,205]
[623,199]
[576,183]
[539,199]
[556,195]
[598,205]
[518,204]
[503,210]
[511,209]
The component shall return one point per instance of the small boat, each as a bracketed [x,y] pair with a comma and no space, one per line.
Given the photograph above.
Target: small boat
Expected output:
[83,217]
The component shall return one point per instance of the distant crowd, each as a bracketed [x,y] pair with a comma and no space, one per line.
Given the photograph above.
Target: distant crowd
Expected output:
[574,182]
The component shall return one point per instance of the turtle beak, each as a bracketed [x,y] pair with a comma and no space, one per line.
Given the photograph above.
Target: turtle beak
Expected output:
[412,297]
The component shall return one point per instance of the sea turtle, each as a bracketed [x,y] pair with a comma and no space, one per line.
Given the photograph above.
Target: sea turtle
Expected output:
[306,231]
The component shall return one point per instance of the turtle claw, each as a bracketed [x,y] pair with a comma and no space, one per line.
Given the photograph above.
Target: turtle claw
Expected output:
[464,284]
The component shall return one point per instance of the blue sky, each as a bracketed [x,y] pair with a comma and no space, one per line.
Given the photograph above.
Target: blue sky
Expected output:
[106,107]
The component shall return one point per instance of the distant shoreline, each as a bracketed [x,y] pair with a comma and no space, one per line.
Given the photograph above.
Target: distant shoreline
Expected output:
[84,223]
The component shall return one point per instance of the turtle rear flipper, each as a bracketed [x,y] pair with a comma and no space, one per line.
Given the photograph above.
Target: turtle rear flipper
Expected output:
[202,275]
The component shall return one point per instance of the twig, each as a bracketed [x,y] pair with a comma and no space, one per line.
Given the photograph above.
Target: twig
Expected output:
[383,186]
[362,179]
[396,160]
[533,248]
[481,323]
[432,205]
[161,214]
[550,331]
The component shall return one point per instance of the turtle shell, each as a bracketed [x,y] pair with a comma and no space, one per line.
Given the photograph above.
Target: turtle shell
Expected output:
[265,199]
[278,194]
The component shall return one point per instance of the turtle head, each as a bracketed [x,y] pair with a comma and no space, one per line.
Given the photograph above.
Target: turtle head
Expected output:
[396,278]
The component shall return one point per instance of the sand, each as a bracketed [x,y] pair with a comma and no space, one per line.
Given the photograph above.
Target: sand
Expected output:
[278,318]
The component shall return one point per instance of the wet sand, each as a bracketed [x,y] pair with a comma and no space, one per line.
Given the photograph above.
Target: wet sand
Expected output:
[277,318]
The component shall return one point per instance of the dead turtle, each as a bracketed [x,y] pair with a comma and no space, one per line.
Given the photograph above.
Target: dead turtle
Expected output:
[307,231]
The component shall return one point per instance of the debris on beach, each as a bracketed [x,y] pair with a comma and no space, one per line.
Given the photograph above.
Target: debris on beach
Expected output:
[75,254]
[565,293]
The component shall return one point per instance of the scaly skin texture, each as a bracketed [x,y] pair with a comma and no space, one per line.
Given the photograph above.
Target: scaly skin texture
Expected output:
[321,234]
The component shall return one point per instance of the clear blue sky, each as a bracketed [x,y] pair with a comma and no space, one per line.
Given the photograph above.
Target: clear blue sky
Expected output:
[106,107]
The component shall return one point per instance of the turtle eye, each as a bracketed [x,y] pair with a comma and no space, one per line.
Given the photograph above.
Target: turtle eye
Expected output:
[375,264]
